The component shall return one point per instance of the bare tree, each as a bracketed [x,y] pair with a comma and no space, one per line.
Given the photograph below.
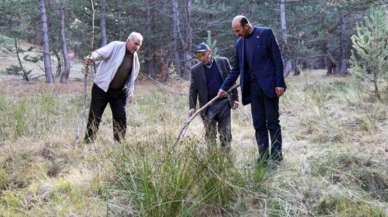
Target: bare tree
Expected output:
[283,21]
[176,36]
[46,47]
[344,42]
[283,29]
[104,37]
[120,8]
[150,62]
[189,39]
[66,68]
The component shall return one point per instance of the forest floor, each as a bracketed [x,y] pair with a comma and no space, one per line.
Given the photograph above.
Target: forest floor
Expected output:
[335,146]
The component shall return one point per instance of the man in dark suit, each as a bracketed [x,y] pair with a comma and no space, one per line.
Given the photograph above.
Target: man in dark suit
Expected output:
[259,63]
[206,79]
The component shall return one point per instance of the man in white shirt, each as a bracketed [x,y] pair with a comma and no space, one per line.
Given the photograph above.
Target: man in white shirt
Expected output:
[114,83]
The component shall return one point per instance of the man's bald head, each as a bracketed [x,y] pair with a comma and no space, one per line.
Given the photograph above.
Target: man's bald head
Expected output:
[241,26]
[134,42]
[240,20]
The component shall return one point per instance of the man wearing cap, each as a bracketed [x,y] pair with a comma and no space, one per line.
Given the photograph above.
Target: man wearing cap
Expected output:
[114,83]
[259,63]
[206,78]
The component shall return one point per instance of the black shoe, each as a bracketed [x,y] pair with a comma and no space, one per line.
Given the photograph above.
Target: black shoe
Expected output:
[274,162]
[277,157]
[88,140]
[262,160]
[273,165]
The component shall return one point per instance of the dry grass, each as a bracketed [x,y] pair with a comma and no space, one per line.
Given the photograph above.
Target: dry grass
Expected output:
[334,142]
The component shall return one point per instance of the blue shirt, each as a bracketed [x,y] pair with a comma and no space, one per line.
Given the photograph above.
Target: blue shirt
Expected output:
[213,80]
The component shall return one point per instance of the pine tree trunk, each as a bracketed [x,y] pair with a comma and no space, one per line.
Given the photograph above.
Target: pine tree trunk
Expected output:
[189,40]
[291,64]
[151,61]
[343,70]
[46,47]
[375,84]
[176,33]
[59,63]
[104,37]
[66,63]
[283,21]
[120,8]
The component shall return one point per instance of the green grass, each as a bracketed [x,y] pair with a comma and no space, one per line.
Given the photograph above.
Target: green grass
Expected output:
[345,207]
[334,136]
[184,183]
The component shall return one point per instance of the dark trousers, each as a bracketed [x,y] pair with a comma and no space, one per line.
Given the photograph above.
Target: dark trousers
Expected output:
[117,100]
[218,118]
[265,115]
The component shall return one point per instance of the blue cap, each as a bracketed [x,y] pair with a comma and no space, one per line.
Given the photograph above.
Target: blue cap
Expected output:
[201,47]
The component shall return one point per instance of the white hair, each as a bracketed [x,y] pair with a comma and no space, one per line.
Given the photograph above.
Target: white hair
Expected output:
[134,35]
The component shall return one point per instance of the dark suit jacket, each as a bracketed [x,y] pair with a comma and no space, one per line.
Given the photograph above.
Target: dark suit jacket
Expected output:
[266,62]
[198,85]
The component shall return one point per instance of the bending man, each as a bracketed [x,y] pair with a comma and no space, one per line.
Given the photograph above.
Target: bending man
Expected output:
[114,83]
[206,78]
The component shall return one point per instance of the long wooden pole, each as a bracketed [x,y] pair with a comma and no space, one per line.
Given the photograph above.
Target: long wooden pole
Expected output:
[82,118]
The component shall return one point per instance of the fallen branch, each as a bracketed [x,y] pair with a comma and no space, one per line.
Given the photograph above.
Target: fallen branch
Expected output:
[189,120]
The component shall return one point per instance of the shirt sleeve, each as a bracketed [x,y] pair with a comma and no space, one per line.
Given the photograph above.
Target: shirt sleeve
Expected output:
[103,53]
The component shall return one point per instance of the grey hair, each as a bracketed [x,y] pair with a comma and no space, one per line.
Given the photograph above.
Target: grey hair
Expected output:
[136,35]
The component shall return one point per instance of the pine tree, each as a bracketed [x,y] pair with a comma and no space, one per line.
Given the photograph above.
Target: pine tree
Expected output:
[212,43]
[370,49]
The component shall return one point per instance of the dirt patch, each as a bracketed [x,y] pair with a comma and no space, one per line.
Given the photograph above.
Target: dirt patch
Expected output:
[20,88]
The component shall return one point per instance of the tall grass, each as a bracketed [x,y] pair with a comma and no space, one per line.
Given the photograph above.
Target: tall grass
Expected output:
[188,182]
[334,148]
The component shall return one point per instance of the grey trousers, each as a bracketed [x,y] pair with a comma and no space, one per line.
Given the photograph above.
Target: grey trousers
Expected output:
[218,118]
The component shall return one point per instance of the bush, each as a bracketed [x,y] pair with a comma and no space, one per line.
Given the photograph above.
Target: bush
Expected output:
[370,49]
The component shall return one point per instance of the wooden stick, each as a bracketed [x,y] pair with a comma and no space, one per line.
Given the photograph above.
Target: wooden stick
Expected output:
[82,117]
[188,121]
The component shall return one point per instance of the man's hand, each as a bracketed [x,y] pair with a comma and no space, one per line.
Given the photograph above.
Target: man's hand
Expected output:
[88,60]
[190,112]
[279,91]
[235,105]
[222,93]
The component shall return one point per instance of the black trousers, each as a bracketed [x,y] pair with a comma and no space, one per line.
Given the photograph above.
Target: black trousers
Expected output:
[265,115]
[218,118]
[117,100]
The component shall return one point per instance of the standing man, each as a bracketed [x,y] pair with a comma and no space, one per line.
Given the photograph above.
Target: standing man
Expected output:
[206,79]
[259,63]
[114,83]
